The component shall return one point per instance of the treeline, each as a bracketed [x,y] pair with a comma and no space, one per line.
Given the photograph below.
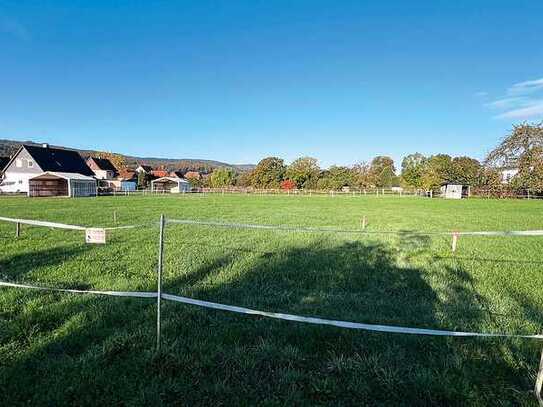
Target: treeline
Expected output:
[417,171]
[522,150]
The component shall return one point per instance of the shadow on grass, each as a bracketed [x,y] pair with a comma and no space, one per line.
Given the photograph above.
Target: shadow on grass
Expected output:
[88,350]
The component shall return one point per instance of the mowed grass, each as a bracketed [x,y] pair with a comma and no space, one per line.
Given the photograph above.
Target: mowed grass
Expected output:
[69,349]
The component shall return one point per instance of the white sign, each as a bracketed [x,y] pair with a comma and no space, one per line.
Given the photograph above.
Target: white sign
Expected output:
[95,235]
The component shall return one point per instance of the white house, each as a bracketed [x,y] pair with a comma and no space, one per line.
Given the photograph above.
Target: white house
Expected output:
[102,168]
[508,173]
[31,160]
[144,168]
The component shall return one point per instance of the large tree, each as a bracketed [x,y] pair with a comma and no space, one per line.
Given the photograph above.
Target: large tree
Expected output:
[383,172]
[466,171]
[222,177]
[519,142]
[304,171]
[437,171]
[335,178]
[412,169]
[362,177]
[268,173]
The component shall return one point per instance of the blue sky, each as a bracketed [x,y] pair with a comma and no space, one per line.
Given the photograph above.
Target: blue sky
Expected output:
[236,81]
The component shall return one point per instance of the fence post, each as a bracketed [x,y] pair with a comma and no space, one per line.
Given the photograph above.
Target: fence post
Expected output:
[364,222]
[539,382]
[17,229]
[454,241]
[115,217]
[159,278]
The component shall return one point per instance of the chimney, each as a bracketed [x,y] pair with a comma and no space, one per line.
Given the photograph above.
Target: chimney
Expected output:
[45,145]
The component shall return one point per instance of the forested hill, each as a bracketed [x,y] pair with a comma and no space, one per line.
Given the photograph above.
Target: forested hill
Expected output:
[8,147]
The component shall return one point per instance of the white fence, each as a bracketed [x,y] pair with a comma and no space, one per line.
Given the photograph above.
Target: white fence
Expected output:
[159,295]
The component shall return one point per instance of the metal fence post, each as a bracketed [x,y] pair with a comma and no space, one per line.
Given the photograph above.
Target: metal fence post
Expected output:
[539,382]
[159,282]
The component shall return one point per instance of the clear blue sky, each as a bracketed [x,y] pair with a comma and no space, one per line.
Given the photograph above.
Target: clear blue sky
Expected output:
[235,81]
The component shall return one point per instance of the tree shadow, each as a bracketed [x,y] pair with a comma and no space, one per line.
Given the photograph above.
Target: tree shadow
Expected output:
[88,350]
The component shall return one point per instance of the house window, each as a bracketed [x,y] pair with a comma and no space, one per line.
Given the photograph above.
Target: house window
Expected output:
[30,163]
[18,163]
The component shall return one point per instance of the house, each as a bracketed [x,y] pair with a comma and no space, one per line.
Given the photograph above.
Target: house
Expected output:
[125,181]
[144,168]
[102,168]
[177,174]
[174,185]
[508,173]
[63,167]
[3,163]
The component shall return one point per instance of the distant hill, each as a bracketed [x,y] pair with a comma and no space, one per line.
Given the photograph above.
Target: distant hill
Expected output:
[8,147]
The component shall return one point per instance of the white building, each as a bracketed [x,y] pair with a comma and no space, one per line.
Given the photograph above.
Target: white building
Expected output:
[30,161]
[174,185]
[62,184]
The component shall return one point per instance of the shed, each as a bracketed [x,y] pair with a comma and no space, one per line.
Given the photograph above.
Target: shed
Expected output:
[170,184]
[62,184]
[455,191]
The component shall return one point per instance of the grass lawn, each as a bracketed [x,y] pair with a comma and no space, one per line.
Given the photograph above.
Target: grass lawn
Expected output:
[69,349]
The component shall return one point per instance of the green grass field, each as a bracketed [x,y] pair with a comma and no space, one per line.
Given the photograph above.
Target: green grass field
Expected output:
[69,349]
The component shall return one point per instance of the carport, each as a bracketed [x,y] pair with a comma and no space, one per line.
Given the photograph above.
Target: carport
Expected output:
[61,184]
[170,184]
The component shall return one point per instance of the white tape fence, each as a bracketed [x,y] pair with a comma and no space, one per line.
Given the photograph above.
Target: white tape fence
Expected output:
[159,295]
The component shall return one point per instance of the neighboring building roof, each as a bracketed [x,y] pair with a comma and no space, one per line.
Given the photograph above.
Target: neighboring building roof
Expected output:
[192,174]
[177,174]
[127,174]
[66,176]
[160,173]
[3,162]
[146,168]
[173,179]
[103,164]
[57,160]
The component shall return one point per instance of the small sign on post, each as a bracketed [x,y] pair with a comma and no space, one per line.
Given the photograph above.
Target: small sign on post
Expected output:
[95,236]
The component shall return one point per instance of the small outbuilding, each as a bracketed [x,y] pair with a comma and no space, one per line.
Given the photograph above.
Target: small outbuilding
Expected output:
[62,184]
[455,191]
[174,185]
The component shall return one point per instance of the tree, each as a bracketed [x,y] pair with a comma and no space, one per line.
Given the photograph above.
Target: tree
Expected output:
[437,171]
[304,172]
[288,185]
[530,175]
[222,177]
[143,180]
[383,172]
[466,171]
[335,178]
[268,173]
[195,179]
[362,177]
[519,142]
[412,169]
[118,160]
[244,179]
